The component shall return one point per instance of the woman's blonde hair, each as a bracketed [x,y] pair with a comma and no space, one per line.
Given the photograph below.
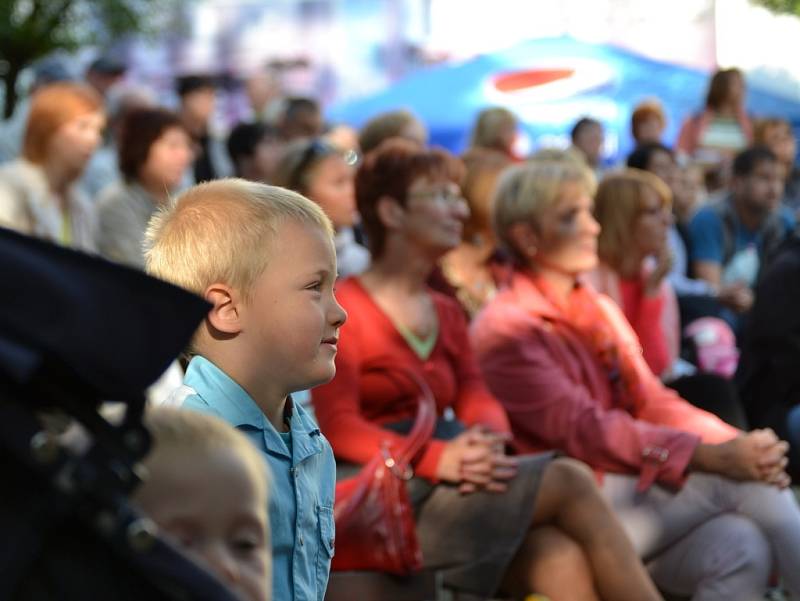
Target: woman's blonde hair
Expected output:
[51,107]
[483,169]
[618,202]
[220,231]
[490,126]
[384,126]
[525,191]
[558,154]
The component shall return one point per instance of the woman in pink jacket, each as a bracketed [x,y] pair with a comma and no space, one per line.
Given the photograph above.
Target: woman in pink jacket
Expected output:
[703,502]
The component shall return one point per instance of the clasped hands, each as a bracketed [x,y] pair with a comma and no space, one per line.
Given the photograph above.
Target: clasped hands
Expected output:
[476,460]
[754,456]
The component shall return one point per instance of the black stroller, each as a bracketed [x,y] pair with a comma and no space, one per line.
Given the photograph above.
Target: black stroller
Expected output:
[76,331]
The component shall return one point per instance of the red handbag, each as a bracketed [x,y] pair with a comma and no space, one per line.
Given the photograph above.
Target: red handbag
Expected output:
[375,527]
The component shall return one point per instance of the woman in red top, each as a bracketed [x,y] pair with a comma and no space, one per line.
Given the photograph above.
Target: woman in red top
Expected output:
[485,519]
[702,501]
[633,208]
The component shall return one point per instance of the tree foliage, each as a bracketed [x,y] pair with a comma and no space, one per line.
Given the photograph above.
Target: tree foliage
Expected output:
[791,7]
[32,29]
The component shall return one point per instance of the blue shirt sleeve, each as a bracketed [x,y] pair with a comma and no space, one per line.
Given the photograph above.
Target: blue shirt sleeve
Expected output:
[705,233]
[788,219]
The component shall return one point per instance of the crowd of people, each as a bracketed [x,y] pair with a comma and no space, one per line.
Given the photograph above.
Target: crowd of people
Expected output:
[612,352]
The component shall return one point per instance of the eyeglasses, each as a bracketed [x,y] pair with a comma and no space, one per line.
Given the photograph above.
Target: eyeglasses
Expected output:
[448,196]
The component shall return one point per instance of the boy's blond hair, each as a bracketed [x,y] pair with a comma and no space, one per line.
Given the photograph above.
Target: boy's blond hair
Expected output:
[219,231]
[178,432]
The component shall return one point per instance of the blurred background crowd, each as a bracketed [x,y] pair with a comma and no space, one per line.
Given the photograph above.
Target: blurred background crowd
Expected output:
[687,114]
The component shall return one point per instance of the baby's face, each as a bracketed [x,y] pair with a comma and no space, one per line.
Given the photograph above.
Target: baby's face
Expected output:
[211,508]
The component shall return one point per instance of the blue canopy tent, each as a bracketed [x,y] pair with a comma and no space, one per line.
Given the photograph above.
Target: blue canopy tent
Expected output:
[550,84]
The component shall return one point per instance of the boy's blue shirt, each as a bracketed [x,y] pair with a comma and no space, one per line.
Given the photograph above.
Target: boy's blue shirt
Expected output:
[303,479]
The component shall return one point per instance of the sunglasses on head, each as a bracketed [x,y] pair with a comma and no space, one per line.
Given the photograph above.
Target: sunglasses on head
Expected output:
[316,150]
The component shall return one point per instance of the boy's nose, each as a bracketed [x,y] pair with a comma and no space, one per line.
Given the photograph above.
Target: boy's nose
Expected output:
[337,315]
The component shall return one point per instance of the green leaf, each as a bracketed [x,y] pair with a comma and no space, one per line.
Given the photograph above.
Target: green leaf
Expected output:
[791,7]
[32,29]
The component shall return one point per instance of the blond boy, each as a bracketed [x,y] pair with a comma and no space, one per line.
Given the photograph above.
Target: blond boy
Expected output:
[263,257]
[207,490]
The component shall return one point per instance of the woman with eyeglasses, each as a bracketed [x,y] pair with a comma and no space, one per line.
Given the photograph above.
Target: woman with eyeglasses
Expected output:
[325,174]
[487,520]
[705,504]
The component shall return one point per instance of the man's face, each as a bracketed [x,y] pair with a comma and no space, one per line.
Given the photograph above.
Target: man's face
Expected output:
[649,130]
[265,160]
[663,165]
[199,104]
[590,141]
[762,190]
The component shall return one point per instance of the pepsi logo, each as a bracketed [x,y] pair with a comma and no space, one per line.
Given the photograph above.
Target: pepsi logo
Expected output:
[529,78]
[548,80]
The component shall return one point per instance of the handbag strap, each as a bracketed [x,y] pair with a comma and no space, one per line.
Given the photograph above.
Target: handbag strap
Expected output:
[402,454]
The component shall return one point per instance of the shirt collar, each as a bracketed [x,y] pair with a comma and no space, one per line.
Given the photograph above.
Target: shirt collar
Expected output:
[530,298]
[241,410]
[527,291]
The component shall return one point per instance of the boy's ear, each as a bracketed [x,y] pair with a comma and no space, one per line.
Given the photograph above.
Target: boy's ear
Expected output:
[390,212]
[224,315]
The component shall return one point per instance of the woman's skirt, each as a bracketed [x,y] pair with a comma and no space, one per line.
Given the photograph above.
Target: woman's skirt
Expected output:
[472,538]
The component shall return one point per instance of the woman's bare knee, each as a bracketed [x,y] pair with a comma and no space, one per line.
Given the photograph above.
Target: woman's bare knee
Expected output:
[573,473]
[564,480]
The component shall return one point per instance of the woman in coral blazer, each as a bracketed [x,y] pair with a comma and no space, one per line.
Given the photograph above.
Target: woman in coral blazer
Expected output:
[702,501]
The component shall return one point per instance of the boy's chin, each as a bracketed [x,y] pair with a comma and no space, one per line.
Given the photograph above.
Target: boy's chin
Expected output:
[323,376]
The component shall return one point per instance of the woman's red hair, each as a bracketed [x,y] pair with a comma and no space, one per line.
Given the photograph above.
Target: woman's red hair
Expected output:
[51,107]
